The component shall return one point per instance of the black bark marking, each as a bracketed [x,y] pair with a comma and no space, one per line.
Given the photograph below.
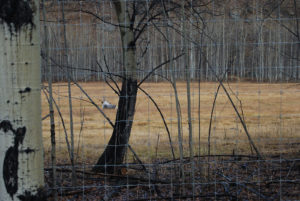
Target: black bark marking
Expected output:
[17,13]
[131,45]
[5,126]
[10,175]
[11,163]
[41,195]
[27,151]
[26,90]
[115,151]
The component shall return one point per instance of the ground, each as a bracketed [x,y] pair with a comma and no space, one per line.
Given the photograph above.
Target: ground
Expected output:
[270,111]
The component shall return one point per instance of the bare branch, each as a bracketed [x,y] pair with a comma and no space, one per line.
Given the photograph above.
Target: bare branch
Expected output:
[85,93]
[157,67]
[163,118]
[237,112]
[117,92]
[110,75]
[62,121]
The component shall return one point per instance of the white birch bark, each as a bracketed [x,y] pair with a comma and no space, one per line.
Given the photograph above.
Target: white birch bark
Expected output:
[21,148]
[188,87]
[69,78]
[172,68]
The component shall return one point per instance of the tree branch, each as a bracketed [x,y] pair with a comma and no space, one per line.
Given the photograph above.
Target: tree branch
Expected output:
[163,118]
[157,67]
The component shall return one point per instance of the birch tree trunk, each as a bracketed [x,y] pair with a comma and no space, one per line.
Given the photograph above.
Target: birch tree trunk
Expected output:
[188,87]
[116,149]
[21,148]
[69,78]
[51,110]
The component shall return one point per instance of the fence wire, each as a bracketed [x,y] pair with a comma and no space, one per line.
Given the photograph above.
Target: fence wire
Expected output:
[243,60]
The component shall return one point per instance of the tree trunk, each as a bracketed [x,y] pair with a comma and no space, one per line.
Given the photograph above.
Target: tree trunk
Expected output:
[70,75]
[118,143]
[48,69]
[115,151]
[21,147]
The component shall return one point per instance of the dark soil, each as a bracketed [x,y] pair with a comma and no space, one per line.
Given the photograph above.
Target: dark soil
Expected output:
[215,178]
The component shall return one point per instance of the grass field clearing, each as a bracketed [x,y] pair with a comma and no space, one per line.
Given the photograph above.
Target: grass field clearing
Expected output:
[271,112]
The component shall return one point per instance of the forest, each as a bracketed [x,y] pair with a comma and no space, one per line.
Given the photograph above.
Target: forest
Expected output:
[251,40]
[149,100]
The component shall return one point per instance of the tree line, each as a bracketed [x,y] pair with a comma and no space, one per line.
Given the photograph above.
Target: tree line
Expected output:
[257,41]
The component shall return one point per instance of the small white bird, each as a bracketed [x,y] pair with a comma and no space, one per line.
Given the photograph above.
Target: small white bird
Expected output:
[107,105]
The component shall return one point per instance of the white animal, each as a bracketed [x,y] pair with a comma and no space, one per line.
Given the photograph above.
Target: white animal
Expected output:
[107,105]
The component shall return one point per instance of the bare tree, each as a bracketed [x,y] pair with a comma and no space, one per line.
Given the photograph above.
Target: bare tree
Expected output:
[133,19]
[66,58]
[188,87]
[51,110]
[118,143]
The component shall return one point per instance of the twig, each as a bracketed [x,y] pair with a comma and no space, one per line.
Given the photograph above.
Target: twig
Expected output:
[62,121]
[157,67]
[81,128]
[110,75]
[244,186]
[137,158]
[117,92]
[237,112]
[45,117]
[163,118]
[239,100]
[143,53]
[156,148]
[92,102]
[242,121]
[115,176]
[204,156]
[211,116]
[180,197]
[83,91]
[209,129]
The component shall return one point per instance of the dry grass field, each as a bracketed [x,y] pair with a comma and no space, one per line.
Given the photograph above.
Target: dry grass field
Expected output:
[271,112]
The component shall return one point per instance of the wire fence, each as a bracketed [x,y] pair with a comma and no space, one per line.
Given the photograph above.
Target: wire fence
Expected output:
[216,114]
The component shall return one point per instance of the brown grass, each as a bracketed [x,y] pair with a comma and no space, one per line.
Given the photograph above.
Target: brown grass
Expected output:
[271,112]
